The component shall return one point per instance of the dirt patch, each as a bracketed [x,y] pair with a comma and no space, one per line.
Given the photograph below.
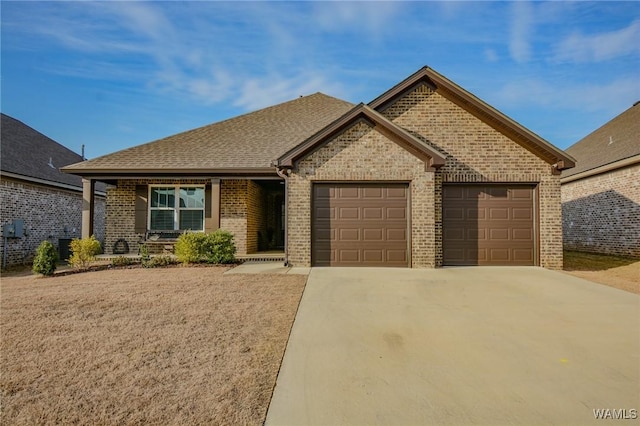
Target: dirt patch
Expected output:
[619,272]
[139,346]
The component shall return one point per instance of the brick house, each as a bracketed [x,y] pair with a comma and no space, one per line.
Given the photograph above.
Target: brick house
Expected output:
[34,191]
[425,175]
[601,195]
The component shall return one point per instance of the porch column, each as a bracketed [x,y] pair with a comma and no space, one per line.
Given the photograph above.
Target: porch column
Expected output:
[88,206]
[212,219]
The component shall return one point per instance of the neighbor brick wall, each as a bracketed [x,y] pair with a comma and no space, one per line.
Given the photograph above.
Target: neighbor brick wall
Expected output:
[476,152]
[121,202]
[47,211]
[362,154]
[601,213]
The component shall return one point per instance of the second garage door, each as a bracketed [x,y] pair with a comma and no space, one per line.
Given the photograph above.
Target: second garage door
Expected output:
[359,224]
[488,225]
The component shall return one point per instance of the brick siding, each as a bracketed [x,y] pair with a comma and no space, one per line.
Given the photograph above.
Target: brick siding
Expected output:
[601,213]
[49,213]
[475,153]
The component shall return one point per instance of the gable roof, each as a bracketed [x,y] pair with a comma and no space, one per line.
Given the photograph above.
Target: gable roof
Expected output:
[609,145]
[28,154]
[244,144]
[433,157]
[515,131]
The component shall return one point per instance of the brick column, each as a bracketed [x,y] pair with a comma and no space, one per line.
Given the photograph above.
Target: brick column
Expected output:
[88,207]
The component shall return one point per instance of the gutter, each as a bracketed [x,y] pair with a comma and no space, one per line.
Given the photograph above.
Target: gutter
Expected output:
[602,169]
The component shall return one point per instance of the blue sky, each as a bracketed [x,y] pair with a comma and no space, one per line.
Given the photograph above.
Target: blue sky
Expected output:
[116,74]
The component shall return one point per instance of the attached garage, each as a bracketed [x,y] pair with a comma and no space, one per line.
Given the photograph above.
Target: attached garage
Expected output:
[488,224]
[360,224]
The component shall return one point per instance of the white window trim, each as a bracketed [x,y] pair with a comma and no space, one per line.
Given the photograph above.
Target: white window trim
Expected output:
[176,209]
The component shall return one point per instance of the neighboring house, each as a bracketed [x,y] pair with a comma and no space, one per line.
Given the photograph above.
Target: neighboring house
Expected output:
[601,195]
[425,175]
[35,194]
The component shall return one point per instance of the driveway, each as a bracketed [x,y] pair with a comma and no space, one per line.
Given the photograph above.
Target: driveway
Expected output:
[510,345]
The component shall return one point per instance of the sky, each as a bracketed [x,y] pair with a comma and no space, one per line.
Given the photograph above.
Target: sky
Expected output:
[112,75]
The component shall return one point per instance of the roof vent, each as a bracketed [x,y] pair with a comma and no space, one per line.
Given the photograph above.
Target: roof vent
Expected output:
[610,140]
[51,163]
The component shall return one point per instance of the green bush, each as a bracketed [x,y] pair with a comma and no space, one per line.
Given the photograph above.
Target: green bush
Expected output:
[46,259]
[219,247]
[122,261]
[188,247]
[160,261]
[195,247]
[84,251]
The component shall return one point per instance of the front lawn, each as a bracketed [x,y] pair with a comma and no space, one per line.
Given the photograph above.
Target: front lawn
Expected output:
[143,346]
[614,271]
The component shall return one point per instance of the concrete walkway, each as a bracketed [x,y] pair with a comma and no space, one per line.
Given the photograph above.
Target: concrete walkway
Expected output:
[458,346]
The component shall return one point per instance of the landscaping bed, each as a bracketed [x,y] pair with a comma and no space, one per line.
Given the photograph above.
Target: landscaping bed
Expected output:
[176,345]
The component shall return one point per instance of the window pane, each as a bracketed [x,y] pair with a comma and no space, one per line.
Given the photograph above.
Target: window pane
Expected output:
[191,220]
[162,220]
[163,197]
[192,198]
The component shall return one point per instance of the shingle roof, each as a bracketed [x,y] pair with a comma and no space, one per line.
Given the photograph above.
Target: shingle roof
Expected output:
[27,152]
[616,140]
[250,141]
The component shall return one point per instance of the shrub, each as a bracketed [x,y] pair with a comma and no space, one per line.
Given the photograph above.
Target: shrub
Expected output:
[219,247]
[84,251]
[160,261]
[188,247]
[46,259]
[122,261]
[194,247]
[145,258]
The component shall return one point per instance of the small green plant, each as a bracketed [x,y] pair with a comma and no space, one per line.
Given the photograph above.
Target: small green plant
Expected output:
[145,257]
[121,261]
[195,247]
[160,261]
[46,259]
[84,251]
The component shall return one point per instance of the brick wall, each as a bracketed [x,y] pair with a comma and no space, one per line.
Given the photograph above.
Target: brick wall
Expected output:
[47,212]
[362,154]
[233,211]
[601,213]
[475,153]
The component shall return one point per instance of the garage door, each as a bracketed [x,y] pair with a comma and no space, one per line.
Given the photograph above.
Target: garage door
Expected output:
[359,225]
[488,225]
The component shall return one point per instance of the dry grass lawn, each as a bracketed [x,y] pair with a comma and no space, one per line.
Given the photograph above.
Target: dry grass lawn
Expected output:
[139,346]
[619,272]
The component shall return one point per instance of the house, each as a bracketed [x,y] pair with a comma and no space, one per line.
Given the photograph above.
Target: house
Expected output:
[38,202]
[424,175]
[601,195]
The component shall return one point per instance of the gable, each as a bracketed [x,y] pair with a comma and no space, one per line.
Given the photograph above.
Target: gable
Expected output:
[427,77]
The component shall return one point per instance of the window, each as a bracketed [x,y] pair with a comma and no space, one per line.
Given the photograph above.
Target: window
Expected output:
[176,208]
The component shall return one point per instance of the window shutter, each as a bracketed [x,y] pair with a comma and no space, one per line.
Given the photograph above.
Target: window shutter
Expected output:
[212,206]
[142,193]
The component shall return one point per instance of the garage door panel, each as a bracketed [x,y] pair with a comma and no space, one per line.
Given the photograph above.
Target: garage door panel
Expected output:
[368,228]
[496,228]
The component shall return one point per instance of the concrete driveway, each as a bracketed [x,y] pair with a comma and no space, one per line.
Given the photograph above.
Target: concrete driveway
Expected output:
[458,346]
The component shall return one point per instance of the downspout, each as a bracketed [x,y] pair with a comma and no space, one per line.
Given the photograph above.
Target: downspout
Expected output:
[284,174]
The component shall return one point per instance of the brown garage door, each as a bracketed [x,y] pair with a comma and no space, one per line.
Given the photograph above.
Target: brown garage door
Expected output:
[488,225]
[359,225]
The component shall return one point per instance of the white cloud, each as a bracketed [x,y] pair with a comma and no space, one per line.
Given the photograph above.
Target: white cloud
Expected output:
[614,96]
[520,31]
[370,17]
[261,92]
[490,55]
[583,48]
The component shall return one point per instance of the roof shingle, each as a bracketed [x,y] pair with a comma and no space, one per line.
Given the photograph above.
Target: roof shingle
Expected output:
[250,141]
[614,141]
[29,153]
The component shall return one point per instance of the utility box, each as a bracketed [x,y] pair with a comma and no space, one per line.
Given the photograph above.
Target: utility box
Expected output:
[14,229]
